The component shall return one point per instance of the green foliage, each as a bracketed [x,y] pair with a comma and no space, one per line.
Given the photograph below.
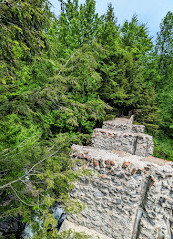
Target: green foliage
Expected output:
[123,80]
[78,24]
[165,100]
[109,30]
[82,106]
[34,165]
[125,85]
[164,88]
[136,38]
[163,147]
[21,34]
[164,45]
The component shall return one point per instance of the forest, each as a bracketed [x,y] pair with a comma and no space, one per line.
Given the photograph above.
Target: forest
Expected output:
[60,79]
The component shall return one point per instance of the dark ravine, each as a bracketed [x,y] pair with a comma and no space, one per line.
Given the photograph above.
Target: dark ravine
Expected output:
[14,225]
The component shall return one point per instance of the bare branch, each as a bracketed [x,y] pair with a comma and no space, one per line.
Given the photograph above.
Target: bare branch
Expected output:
[30,170]
[30,205]
[10,156]
[68,61]
[20,145]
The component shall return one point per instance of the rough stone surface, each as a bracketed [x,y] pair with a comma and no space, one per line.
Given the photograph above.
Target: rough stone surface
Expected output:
[77,228]
[127,196]
[119,124]
[133,143]
[121,134]
[138,128]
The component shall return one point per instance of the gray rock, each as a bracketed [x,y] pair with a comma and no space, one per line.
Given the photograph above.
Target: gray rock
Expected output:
[98,194]
[129,183]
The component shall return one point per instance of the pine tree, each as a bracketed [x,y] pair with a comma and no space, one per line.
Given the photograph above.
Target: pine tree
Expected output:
[78,24]
[109,29]
[35,165]
[136,38]
[164,49]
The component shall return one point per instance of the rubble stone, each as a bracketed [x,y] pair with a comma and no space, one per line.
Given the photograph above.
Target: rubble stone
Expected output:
[129,193]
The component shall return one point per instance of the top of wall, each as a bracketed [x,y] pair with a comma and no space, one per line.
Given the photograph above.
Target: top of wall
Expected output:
[121,134]
[118,158]
[124,125]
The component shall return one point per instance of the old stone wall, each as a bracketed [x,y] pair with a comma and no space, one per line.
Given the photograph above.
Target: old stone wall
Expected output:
[133,143]
[121,134]
[127,196]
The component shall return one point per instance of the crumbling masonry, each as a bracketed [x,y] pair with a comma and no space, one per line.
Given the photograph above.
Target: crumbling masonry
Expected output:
[130,193]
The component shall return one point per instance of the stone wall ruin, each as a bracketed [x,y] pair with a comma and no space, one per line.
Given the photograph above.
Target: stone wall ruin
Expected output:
[130,193]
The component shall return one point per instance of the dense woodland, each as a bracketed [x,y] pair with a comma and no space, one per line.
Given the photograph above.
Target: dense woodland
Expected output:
[61,78]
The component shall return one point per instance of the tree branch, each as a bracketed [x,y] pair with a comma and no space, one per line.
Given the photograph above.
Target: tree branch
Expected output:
[68,61]
[30,205]
[30,170]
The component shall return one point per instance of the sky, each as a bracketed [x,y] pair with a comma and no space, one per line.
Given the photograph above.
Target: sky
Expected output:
[150,12]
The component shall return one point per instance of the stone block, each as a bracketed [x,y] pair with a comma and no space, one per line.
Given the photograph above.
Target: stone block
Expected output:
[119,124]
[133,143]
[138,128]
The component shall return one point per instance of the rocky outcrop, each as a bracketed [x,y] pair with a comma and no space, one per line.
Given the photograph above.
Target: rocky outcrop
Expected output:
[129,194]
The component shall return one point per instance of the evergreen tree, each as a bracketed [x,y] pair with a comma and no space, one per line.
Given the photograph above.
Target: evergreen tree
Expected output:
[109,29]
[22,34]
[78,24]
[35,165]
[72,92]
[136,38]
[164,49]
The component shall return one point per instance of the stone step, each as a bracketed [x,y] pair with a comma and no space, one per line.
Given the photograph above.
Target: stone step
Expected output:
[138,128]
[93,156]
[133,143]
[119,124]
[123,125]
